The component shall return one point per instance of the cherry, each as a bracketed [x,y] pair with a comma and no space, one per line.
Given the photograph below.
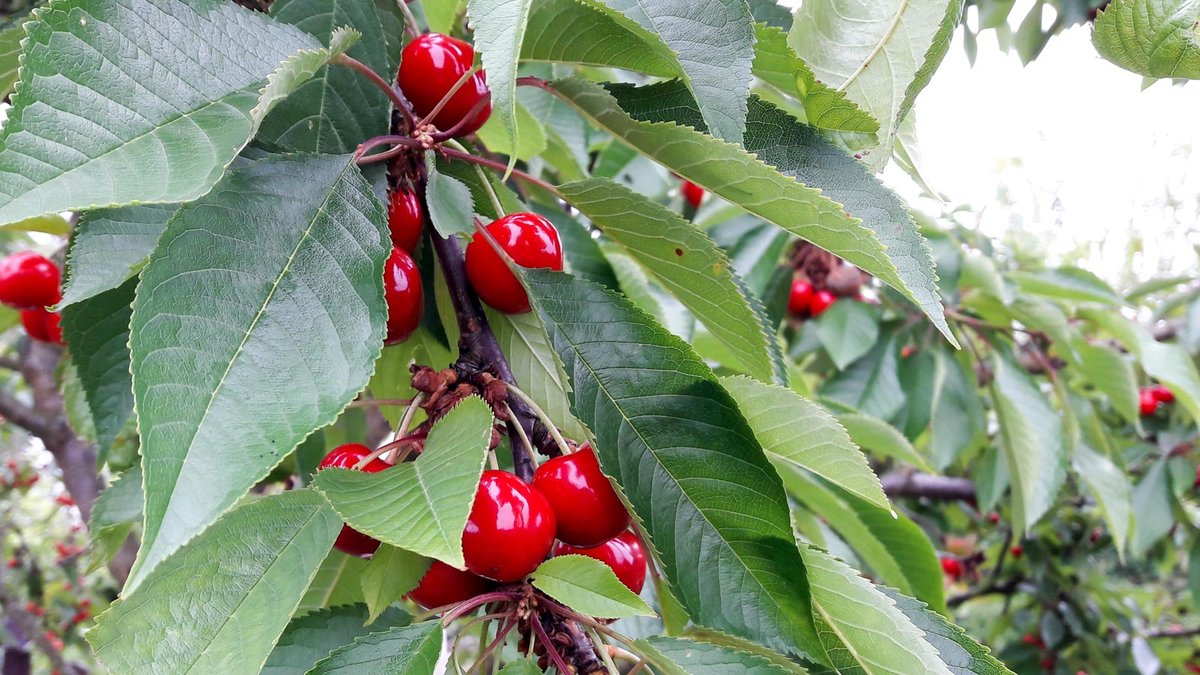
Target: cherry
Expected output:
[586,508]
[1147,402]
[801,297]
[405,219]
[1033,640]
[350,540]
[530,240]
[1017,550]
[821,301]
[994,518]
[42,324]
[693,194]
[510,529]
[405,299]
[952,567]
[623,553]
[443,585]
[430,66]
[29,280]
[1162,394]
[907,351]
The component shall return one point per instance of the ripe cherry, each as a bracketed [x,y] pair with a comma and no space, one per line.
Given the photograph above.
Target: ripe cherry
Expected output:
[430,66]
[29,280]
[1162,394]
[586,508]
[623,553]
[693,194]
[994,518]
[1147,402]
[350,540]
[821,301]
[530,240]
[42,324]
[443,585]
[405,299]
[405,219]
[510,529]
[1017,550]
[952,567]
[801,297]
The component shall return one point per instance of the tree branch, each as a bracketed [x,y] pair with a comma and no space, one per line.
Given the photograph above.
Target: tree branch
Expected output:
[916,484]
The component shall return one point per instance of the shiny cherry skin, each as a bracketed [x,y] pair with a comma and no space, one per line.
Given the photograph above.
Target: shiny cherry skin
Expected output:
[1017,550]
[42,324]
[443,585]
[430,66]
[586,507]
[530,240]
[952,567]
[510,529]
[29,280]
[1162,394]
[623,553]
[801,298]
[350,540]
[405,219]
[405,299]
[821,301]
[693,194]
[1147,402]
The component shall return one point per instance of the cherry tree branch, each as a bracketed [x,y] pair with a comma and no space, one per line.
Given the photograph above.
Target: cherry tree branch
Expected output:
[916,484]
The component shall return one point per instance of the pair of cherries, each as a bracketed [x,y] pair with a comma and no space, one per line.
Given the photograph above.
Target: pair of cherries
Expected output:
[30,282]
[1150,397]
[804,300]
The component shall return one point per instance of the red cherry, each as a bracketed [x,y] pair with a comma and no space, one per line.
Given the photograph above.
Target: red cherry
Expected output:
[42,324]
[510,529]
[430,67]
[405,219]
[907,351]
[1162,394]
[1147,402]
[586,507]
[693,194]
[623,553]
[994,518]
[530,240]
[1033,640]
[1017,551]
[801,297]
[952,567]
[350,540]
[821,301]
[405,299]
[29,280]
[443,585]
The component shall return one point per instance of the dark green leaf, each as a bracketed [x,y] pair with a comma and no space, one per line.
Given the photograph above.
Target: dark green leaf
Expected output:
[676,656]
[1153,517]
[411,650]
[336,583]
[957,423]
[390,574]
[111,246]
[570,31]
[848,330]
[310,638]
[871,384]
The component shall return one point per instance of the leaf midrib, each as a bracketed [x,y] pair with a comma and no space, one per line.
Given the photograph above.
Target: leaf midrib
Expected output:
[879,46]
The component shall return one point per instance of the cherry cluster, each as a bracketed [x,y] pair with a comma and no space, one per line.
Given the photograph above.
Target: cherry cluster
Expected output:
[1152,397]
[806,302]
[31,282]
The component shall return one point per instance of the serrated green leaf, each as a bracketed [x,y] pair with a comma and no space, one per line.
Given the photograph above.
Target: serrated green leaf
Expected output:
[584,257]
[230,591]
[572,31]
[848,330]
[531,139]
[1112,374]
[499,32]
[411,650]
[451,209]
[880,439]
[390,574]
[772,13]
[434,493]
[961,654]
[214,325]
[678,656]
[336,583]
[589,587]
[1153,38]
[1067,283]
[193,116]
[111,246]
[97,335]
[685,261]
[720,525]
[1112,490]
[11,35]
[871,384]
[957,420]
[310,638]
[523,341]
[116,511]
[50,224]
[1153,518]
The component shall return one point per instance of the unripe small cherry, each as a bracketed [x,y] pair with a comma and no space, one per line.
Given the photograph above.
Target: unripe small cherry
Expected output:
[693,194]
[623,553]
[1147,402]
[586,507]
[345,456]
[952,567]
[405,298]
[800,298]
[443,585]
[42,324]
[430,66]
[821,301]
[510,529]
[29,280]
[530,240]
[406,218]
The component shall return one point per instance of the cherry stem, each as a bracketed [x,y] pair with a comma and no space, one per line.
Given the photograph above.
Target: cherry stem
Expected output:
[410,21]
[531,81]
[467,606]
[402,144]
[405,421]
[446,98]
[521,432]
[443,136]
[500,166]
[383,85]
[501,634]
[541,415]
[602,648]
[379,452]
[551,648]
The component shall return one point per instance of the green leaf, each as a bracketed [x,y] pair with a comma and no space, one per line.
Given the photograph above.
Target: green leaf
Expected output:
[1111,373]
[97,334]
[229,592]
[451,209]
[848,330]
[215,323]
[1153,518]
[522,667]
[390,574]
[589,587]
[52,223]
[583,254]
[338,108]
[871,384]
[961,654]
[523,341]
[880,439]
[796,151]
[1111,487]
[336,583]
[677,656]
[442,15]
[434,493]
[880,54]
[797,433]
[720,526]
[499,32]
[310,638]
[957,421]
[111,246]
[115,513]
[411,650]
[1067,283]
[771,13]
[1171,365]
[1031,434]
[1153,38]
[531,140]
[863,629]
[685,261]
[713,41]
[192,117]
[572,31]
[11,35]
